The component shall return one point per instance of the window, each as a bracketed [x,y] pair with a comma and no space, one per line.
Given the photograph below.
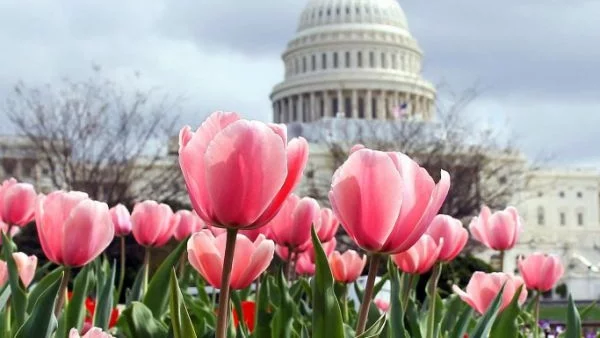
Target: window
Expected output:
[502,180]
[579,194]
[580,218]
[296,66]
[383,63]
[359,60]
[324,61]
[347,59]
[335,60]
[561,194]
[304,64]
[314,62]
[371,59]
[394,61]
[563,219]
[540,194]
[540,215]
[348,10]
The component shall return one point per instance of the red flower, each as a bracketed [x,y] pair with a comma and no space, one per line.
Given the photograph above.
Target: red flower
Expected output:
[248,313]
[90,305]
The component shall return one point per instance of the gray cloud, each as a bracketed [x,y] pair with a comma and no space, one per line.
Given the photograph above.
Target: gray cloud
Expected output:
[537,61]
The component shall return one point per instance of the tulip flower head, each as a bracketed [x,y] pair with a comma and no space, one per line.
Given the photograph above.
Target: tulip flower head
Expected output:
[238,173]
[304,266]
[121,220]
[93,332]
[484,287]
[541,272]
[188,223]
[452,231]
[347,267]
[73,229]
[499,230]
[152,225]
[26,266]
[291,227]
[206,254]
[421,257]
[17,202]
[385,201]
[327,225]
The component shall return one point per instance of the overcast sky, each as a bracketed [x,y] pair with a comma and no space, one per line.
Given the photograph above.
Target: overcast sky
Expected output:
[537,61]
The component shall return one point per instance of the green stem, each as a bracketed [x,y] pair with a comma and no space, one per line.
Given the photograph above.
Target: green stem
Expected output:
[536,328]
[223,312]
[146,269]
[182,261]
[62,291]
[406,291]
[122,270]
[7,320]
[345,303]
[368,295]
[433,281]
[290,264]
[502,261]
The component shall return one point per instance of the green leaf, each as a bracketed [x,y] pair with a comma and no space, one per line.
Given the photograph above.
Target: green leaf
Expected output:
[452,306]
[484,324]
[262,327]
[327,316]
[236,299]
[283,319]
[18,294]
[462,324]
[135,293]
[156,297]
[584,313]
[75,310]
[573,320]
[40,323]
[137,321]
[104,299]
[39,288]
[376,329]
[397,328]
[506,323]
[180,318]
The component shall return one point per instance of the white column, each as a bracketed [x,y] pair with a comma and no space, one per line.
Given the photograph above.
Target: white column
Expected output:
[313,110]
[381,106]
[340,100]
[354,103]
[369,105]
[300,116]
[326,104]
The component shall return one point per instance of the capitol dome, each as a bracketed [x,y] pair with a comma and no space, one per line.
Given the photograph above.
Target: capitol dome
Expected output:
[352,58]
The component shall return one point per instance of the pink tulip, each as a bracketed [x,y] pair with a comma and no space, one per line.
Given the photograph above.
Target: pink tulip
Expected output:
[189,223]
[26,266]
[94,332]
[206,254]
[121,220]
[421,257]
[291,227]
[484,287]
[452,231]
[385,201]
[252,234]
[328,247]
[356,148]
[498,231]
[541,272]
[73,229]
[17,202]
[284,253]
[327,225]
[4,229]
[304,266]
[238,172]
[347,267]
[151,222]
[382,305]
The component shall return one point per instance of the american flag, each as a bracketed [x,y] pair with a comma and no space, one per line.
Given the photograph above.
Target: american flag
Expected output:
[400,111]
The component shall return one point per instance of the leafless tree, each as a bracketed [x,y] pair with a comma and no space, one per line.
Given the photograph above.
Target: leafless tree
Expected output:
[97,136]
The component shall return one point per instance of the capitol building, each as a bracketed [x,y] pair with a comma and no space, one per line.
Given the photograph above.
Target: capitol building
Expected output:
[355,62]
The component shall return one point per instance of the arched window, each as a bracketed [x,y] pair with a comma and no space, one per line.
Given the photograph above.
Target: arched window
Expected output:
[540,216]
